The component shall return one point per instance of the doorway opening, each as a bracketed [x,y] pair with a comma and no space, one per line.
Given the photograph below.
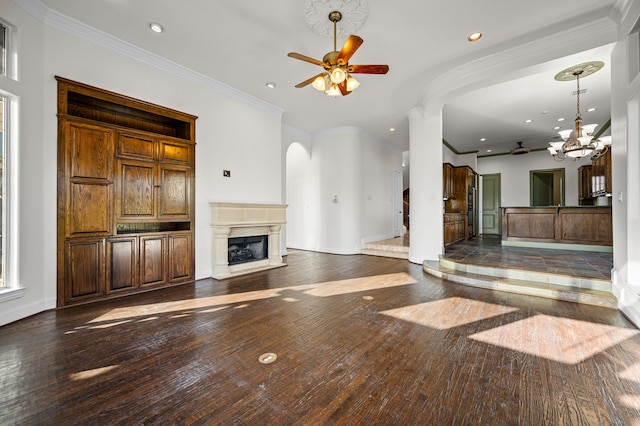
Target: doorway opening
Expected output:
[546,187]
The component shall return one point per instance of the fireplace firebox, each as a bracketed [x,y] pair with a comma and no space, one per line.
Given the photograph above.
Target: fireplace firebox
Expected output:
[248,249]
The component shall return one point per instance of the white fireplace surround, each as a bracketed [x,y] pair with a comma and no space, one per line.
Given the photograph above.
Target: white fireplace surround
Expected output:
[230,220]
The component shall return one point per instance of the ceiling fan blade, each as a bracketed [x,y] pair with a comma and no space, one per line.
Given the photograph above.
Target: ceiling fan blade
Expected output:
[368,69]
[305,58]
[343,88]
[308,81]
[350,46]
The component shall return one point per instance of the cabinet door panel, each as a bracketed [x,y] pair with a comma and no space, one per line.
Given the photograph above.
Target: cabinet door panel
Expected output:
[175,152]
[175,192]
[85,268]
[135,146]
[89,209]
[180,257]
[136,195]
[153,257]
[90,152]
[122,258]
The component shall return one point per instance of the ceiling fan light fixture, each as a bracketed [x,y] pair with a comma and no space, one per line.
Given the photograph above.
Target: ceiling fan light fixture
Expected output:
[334,90]
[352,84]
[319,83]
[338,75]
[335,63]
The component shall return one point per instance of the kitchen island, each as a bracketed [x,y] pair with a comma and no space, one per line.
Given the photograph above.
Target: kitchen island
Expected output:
[577,228]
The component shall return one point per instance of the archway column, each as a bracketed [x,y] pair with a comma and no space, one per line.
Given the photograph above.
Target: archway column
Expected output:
[426,208]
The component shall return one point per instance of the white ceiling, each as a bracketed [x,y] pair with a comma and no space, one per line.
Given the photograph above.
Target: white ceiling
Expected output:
[244,44]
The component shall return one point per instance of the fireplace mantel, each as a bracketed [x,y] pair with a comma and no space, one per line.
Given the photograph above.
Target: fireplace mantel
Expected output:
[230,220]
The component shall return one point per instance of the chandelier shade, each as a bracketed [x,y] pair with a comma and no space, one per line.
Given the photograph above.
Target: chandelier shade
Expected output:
[583,143]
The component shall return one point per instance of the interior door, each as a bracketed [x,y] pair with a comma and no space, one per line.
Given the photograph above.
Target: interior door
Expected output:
[491,204]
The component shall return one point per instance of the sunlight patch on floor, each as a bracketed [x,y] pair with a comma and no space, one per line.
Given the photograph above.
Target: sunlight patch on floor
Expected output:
[359,284]
[563,340]
[213,303]
[631,373]
[87,374]
[448,313]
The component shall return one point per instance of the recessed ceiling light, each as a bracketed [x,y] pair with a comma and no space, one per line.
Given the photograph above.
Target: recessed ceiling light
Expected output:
[155,27]
[271,85]
[545,112]
[392,129]
[556,128]
[475,36]
[483,139]
[560,119]
[488,150]
[528,121]
[591,109]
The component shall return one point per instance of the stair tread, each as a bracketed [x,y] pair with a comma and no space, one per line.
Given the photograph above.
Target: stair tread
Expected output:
[502,268]
[533,288]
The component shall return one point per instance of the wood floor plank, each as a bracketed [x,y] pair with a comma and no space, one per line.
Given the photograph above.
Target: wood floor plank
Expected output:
[359,339]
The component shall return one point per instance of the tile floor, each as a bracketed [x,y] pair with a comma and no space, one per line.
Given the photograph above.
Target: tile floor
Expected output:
[487,251]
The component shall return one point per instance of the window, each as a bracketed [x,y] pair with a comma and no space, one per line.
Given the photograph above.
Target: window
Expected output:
[9,287]
[3,49]
[3,115]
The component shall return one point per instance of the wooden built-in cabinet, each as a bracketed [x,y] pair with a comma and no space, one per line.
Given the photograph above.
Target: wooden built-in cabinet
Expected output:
[601,175]
[459,188]
[125,194]
[585,197]
[454,227]
[447,181]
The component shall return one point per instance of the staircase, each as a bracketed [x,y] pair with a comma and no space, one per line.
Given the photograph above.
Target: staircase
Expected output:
[592,291]
[387,248]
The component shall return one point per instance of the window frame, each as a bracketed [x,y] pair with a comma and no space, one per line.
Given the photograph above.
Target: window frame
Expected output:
[10,288]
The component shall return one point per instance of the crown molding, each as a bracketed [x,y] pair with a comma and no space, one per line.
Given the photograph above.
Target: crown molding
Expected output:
[74,27]
[35,8]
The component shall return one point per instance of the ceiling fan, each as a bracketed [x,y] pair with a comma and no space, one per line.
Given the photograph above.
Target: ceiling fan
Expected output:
[336,78]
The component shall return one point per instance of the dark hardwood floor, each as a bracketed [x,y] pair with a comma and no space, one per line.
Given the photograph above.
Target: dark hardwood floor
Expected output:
[358,339]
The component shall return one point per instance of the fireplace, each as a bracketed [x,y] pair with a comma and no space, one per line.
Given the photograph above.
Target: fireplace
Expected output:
[246,238]
[248,249]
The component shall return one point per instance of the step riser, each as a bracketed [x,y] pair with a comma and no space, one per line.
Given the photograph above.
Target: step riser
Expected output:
[386,253]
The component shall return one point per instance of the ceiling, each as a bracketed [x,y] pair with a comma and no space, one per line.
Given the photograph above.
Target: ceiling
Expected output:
[244,44]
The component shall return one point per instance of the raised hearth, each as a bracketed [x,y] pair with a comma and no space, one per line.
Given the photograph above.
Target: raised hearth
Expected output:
[235,220]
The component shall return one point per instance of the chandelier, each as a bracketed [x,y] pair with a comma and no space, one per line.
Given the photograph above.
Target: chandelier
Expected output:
[582,144]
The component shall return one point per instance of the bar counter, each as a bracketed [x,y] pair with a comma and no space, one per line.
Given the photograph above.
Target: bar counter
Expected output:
[579,226]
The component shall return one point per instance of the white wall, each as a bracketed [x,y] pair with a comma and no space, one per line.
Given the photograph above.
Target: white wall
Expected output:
[340,193]
[514,170]
[625,132]
[32,207]
[233,132]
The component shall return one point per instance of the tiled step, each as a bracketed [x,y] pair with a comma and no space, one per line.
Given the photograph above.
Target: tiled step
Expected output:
[399,252]
[553,286]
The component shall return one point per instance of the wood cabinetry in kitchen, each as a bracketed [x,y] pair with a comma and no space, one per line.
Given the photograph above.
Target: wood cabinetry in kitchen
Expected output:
[125,194]
[459,186]
[585,197]
[601,175]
